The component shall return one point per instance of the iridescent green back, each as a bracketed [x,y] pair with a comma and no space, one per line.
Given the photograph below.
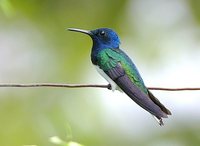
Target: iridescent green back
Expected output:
[109,58]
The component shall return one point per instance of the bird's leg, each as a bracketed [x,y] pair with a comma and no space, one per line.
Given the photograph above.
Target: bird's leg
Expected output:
[109,87]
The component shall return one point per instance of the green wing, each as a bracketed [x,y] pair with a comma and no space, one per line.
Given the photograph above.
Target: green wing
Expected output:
[110,58]
[119,67]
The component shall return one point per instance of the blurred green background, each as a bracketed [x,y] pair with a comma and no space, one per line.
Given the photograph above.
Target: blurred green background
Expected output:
[162,37]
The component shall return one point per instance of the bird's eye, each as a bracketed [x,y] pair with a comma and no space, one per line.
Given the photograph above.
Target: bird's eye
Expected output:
[102,33]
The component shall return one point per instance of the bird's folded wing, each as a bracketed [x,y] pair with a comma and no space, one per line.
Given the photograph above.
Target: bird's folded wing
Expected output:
[118,74]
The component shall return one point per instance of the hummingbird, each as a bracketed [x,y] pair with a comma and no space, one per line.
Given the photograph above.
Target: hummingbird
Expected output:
[120,71]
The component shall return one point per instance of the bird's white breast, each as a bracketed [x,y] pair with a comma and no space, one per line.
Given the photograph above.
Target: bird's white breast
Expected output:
[111,82]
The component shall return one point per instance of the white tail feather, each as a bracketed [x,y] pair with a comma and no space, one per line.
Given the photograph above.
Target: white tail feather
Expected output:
[160,122]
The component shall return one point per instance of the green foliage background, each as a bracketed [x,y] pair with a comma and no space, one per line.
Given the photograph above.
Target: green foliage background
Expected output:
[38,49]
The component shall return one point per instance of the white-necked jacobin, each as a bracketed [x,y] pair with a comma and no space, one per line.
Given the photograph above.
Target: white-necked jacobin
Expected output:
[121,73]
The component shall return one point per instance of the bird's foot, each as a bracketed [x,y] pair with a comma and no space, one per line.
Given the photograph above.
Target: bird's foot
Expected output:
[109,87]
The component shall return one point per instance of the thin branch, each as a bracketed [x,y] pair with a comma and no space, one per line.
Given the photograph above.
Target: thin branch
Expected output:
[55,85]
[173,89]
[84,86]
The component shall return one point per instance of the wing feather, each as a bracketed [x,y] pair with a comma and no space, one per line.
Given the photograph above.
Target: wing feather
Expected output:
[142,99]
[119,67]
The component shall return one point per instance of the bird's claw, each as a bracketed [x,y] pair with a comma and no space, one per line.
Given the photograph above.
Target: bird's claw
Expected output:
[109,87]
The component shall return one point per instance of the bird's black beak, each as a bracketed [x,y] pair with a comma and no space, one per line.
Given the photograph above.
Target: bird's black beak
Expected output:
[80,30]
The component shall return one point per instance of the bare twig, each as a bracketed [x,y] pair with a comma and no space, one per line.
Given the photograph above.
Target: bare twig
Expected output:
[173,89]
[54,85]
[84,86]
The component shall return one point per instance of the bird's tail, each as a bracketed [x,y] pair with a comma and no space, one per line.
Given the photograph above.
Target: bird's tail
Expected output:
[162,107]
[158,103]
[159,120]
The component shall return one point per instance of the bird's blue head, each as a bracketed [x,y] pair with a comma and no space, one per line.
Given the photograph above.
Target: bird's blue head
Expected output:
[103,38]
